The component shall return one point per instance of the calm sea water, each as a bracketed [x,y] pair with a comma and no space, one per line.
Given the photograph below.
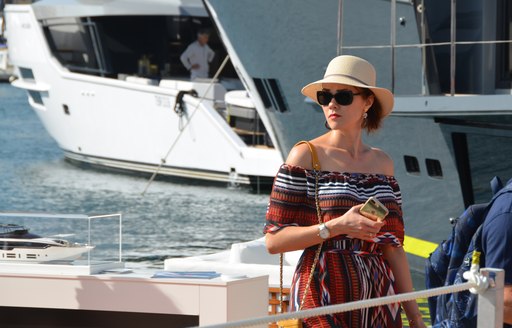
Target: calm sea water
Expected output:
[170,220]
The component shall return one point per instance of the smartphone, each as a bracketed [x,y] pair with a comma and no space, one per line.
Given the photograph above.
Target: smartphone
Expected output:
[374,209]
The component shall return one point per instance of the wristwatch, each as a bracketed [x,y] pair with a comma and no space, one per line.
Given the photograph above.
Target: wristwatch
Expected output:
[323,231]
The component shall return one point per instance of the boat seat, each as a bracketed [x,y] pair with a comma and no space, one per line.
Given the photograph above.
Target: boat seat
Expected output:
[212,92]
[255,252]
[141,80]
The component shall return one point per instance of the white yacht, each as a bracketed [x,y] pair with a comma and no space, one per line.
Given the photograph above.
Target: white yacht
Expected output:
[106,81]
[18,245]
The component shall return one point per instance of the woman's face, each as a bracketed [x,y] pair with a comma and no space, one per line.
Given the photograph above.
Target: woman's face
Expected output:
[344,116]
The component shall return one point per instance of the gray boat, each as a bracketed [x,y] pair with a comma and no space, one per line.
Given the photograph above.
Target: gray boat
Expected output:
[448,64]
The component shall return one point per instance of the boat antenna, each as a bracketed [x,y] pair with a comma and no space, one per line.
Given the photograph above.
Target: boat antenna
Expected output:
[162,161]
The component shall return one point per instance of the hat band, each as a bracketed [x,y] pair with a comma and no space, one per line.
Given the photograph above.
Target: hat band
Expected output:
[349,76]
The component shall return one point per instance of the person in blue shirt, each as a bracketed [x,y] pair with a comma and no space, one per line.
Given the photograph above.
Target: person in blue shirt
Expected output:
[497,245]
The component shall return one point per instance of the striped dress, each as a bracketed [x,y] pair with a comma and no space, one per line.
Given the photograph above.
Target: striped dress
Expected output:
[349,269]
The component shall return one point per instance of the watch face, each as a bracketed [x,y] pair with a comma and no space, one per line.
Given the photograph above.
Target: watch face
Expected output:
[323,232]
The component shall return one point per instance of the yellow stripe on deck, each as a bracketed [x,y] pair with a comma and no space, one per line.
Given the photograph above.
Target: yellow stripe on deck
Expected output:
[418,247]
[425,313]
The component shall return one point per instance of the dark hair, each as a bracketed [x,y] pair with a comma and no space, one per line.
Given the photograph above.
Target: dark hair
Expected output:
[374,119]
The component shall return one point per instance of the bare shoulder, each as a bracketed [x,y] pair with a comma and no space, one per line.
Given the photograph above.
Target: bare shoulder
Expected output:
[383,161]
[300,155]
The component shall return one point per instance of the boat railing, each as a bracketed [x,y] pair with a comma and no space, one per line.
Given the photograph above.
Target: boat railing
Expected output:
[488,283]
[423,45]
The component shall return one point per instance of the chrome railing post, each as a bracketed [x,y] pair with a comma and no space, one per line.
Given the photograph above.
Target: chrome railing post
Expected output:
[393,43]
[423,49]
[490,302]
[453,36]
[340,27]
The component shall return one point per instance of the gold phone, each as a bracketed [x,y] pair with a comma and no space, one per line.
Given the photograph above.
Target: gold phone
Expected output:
[374,209]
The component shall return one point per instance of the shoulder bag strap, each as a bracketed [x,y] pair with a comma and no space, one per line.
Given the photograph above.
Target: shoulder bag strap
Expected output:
[314,157]
[316,167]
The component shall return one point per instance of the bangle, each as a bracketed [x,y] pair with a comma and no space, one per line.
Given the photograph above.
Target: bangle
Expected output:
[413,322]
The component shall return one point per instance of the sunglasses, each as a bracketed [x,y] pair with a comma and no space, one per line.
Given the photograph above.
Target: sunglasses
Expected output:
[343,97]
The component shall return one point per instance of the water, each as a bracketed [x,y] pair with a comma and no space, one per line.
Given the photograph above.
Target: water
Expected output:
[170,220]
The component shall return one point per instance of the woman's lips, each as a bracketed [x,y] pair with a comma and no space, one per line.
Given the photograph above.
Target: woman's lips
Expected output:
[334,115]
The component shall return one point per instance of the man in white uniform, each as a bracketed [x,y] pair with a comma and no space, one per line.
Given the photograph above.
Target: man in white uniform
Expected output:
[198,56]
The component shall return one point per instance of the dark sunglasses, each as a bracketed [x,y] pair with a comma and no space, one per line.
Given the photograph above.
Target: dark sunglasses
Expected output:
[343,97]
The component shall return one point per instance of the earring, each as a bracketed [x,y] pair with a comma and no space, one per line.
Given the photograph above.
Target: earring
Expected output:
[365,115]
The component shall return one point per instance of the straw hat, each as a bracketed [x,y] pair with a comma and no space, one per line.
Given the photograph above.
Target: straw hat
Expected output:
[354,71]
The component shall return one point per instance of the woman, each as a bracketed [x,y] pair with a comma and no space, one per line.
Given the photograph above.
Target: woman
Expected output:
[361,258]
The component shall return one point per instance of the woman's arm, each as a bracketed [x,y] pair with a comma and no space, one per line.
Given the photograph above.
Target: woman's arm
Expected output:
[507,304]
[351,223]
[397,260]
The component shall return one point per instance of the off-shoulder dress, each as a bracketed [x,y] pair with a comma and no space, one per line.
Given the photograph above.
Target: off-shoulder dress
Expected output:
[349,269]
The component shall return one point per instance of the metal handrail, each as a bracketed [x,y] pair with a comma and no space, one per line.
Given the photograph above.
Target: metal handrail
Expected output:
[489,285]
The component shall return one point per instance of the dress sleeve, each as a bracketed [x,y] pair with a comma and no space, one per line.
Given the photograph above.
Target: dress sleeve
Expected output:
[393,231]
[288,199]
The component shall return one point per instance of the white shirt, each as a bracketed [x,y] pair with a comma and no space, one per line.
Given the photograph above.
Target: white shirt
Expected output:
[197,54]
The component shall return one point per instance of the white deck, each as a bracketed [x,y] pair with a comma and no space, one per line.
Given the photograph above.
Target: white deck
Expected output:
[249,258]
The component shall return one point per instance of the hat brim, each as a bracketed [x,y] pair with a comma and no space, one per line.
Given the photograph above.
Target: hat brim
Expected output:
[384,96]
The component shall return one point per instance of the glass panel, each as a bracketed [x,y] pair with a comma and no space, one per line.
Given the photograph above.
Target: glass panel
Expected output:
[434,168]
[71,43]
[36,97]
[411,164]
[489,156]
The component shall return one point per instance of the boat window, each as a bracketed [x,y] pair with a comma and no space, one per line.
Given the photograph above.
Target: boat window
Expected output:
[115,46]
[27,74]
[487,162]
[412,165]
[434,168]
[36,96]
[270,93]
[504,50]
[72,43]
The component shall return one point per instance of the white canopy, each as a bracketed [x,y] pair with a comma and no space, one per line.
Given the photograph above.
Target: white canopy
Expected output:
[89,8]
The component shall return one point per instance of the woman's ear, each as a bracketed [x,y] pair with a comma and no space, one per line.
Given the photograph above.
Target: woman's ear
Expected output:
[369,102]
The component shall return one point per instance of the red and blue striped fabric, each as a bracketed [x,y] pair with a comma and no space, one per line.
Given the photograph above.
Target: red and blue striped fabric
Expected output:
[349,269]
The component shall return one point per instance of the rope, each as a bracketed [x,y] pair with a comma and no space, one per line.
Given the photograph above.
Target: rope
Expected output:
[345,307]
[162,161]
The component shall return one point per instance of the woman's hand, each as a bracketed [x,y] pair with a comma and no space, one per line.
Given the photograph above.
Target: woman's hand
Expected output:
[355,225]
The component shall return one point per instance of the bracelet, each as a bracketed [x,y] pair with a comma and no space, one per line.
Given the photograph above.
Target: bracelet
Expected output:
[412,322]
